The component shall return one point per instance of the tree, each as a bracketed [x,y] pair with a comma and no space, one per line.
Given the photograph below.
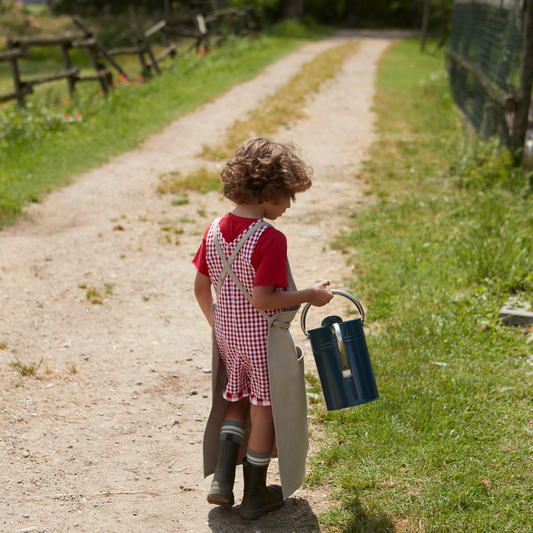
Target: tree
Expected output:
[293,9]
[425,23]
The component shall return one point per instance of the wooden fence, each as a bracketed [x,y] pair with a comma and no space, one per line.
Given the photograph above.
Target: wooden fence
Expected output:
[206,30]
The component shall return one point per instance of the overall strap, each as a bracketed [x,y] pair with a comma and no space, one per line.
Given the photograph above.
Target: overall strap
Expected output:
[228,262]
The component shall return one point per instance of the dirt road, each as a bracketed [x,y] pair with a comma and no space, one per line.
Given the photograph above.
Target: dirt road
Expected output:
[107,435]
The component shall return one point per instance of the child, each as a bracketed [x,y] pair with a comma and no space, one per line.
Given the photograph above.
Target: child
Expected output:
[257,371]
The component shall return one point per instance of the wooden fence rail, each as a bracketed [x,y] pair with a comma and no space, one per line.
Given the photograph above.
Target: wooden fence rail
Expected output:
[206,30]
[240,22]
[19,48]
[95,49]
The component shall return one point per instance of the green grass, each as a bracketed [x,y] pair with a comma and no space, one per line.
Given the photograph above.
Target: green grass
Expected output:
[447,238]
[202,181]
[41,148]
[23,369]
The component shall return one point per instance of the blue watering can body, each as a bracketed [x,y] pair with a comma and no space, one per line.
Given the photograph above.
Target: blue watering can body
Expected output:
[342,359]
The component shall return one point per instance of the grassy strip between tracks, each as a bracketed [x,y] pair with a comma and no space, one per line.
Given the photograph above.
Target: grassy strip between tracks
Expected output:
[446,240]
[286,105]
[44,145]
[283,107]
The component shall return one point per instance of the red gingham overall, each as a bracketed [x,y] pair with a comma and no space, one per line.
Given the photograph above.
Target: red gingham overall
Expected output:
[241,331]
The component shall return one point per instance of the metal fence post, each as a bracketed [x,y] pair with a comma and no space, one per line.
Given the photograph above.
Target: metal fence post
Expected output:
[526,78]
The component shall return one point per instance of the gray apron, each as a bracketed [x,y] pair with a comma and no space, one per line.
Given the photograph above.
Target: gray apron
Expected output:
[287,387]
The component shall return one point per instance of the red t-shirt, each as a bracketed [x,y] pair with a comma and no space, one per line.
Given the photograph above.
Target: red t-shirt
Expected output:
[269,257]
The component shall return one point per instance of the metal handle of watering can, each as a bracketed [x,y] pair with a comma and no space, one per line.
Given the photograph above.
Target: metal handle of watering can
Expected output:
[353,299]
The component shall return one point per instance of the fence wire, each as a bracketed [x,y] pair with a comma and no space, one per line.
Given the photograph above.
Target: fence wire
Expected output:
[483,58]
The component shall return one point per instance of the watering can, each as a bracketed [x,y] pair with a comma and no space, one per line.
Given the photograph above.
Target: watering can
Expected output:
[342,359]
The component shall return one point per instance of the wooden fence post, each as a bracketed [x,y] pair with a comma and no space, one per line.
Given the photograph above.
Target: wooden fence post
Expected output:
[144,38]
[526,78]
[425,24]
[16,79]
[10,56]
[93,56]
[145,69]
[202,28]
[88,35]
[71,80]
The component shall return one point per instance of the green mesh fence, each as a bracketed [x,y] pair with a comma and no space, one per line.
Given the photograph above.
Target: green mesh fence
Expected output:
[483,59]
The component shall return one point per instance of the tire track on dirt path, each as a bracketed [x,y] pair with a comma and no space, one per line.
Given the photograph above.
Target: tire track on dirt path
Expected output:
[107,437]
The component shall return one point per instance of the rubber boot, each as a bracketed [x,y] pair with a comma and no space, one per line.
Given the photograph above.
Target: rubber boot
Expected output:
[221,491]
[258,499]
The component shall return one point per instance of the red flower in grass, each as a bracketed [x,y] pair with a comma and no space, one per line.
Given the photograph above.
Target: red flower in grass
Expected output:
[90,111]
[203,51]
[67,116]
[101,93]
[140,78]
[78,115]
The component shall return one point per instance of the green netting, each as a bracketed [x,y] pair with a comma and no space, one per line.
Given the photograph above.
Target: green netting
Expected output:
[483,57]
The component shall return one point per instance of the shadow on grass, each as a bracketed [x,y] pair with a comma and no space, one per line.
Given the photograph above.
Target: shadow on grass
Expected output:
[356,519]
[297,516]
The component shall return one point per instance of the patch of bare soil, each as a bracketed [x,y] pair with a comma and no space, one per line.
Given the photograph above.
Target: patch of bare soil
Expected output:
[107,435]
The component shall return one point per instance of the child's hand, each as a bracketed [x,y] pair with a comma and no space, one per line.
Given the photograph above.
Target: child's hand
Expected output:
[320,295]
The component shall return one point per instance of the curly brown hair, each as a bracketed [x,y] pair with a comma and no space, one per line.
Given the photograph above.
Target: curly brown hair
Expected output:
[265,171]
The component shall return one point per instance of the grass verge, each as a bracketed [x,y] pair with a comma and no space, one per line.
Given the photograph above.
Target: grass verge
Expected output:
[286,105]
[448,238]
[42,146]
